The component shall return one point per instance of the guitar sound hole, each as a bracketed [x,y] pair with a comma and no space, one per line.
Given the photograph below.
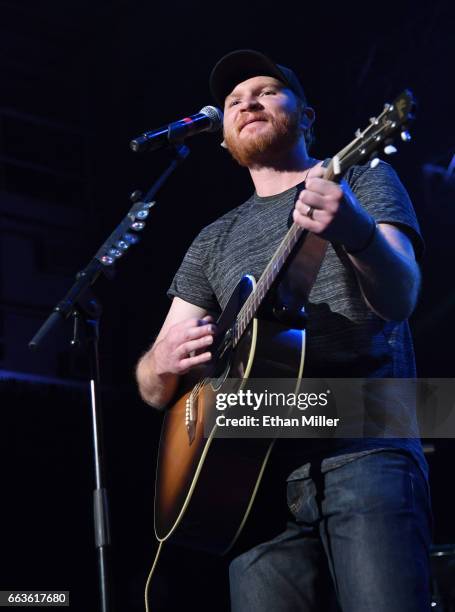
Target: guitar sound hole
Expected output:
[222,359]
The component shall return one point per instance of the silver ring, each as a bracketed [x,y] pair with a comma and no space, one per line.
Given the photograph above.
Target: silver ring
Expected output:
[310,212]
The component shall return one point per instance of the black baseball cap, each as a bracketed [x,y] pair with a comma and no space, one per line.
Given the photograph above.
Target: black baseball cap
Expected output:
[244,64]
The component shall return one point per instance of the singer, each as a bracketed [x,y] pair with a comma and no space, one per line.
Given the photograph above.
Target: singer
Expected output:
[360,530]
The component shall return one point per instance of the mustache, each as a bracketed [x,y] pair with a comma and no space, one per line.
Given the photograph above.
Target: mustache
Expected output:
[252,117]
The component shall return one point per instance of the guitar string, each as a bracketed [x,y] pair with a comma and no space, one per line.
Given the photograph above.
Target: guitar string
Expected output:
[272,269]
[353,148]
[267,277]
[264,283]
[274,266]
[242,318]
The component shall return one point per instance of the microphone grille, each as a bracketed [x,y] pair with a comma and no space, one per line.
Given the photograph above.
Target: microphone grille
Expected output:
[215,116]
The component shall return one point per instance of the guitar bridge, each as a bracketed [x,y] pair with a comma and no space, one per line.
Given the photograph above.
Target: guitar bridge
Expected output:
[190,417]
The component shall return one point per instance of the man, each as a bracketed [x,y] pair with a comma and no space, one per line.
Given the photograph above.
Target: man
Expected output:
[360,507]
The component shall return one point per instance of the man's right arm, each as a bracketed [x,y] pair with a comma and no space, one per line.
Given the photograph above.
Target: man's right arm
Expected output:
[181,344]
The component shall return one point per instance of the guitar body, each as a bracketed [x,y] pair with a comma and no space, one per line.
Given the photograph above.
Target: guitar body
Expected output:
[205,486]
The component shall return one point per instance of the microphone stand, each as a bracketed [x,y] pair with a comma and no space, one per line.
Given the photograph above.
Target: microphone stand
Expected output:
[85,309]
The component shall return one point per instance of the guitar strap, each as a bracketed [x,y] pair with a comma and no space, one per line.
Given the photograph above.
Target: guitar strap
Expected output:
[294,284]
[305,265]
[302,268]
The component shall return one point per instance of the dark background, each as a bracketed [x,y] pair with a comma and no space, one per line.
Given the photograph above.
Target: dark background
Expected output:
[77,81]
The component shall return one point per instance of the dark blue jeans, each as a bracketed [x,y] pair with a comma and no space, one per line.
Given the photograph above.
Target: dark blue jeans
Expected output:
[360,537]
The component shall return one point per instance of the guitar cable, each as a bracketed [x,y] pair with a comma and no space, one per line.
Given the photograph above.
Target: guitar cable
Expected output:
[149,578]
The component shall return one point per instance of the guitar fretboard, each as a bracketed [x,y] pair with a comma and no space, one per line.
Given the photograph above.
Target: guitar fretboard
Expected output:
[266,280]
[393,118]
[273,268]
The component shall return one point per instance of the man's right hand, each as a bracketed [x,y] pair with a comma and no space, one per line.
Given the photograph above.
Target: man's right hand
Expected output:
[181,344]
[184,346]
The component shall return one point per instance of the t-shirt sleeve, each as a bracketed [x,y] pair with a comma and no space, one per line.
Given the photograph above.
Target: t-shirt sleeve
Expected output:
[382,194]
[190,283]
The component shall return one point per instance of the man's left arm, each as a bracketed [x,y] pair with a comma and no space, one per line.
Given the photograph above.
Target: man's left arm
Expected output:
[382,255]
[388,274]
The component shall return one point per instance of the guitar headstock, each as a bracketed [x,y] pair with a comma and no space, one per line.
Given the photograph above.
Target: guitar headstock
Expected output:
[378,136]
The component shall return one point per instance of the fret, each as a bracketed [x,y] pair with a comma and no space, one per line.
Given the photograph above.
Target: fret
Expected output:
[266,280]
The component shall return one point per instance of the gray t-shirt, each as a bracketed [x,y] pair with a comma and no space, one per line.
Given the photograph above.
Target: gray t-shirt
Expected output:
[344,337]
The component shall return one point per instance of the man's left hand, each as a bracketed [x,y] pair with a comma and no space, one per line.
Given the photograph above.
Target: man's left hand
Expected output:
[332,211]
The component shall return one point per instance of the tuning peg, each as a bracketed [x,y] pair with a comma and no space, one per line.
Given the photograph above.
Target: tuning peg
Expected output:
[106,260]
[122,245]
[374,162]
[358,133]
[138,226]
[374,120]
[115,252]
[390,149]
[406,136]
[142,214]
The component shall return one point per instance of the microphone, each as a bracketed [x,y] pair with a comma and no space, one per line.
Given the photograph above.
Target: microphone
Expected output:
[208,119]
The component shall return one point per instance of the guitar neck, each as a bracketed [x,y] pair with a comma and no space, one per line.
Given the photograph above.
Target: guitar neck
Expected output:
[275,266]
[266,280]
[379,132]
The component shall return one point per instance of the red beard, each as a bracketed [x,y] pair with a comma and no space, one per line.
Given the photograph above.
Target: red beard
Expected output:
[261,149]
